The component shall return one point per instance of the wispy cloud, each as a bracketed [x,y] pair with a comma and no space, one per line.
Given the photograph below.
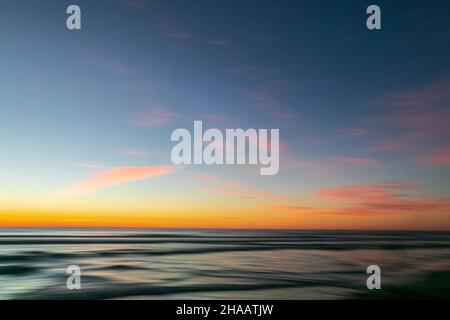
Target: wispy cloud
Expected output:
[431,94]
[393,197]
[370,199]
[114,177]
[440,157]
[414,118]
[361,192]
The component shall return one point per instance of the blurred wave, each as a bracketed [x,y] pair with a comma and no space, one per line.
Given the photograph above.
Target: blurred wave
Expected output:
[222,264]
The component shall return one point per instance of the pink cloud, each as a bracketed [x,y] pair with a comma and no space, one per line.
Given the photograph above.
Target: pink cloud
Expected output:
[422,122]
[154,117]
[416,116]
[433,93]
[441,157]
[114,177]
[386,198]
[378,208]
[363,192]
[355,192]
[383,198]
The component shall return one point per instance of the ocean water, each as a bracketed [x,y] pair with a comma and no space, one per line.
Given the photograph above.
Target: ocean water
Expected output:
[222,264]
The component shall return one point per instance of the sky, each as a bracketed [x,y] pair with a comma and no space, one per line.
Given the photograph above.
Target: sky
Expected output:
[86,115]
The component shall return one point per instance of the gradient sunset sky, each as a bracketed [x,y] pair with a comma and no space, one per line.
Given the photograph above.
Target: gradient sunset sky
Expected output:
[86,116]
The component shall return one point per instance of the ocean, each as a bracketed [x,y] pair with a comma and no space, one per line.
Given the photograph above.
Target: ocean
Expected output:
[222,264]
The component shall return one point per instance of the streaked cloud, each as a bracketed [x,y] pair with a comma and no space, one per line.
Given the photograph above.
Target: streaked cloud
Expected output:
[392,197]
[366,191]
[431,94]
[440,157]
[413,118]
[376,199]
[114,177]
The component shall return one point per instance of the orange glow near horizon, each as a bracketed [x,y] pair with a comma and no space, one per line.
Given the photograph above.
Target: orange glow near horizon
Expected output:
[220,203]
[258,217]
